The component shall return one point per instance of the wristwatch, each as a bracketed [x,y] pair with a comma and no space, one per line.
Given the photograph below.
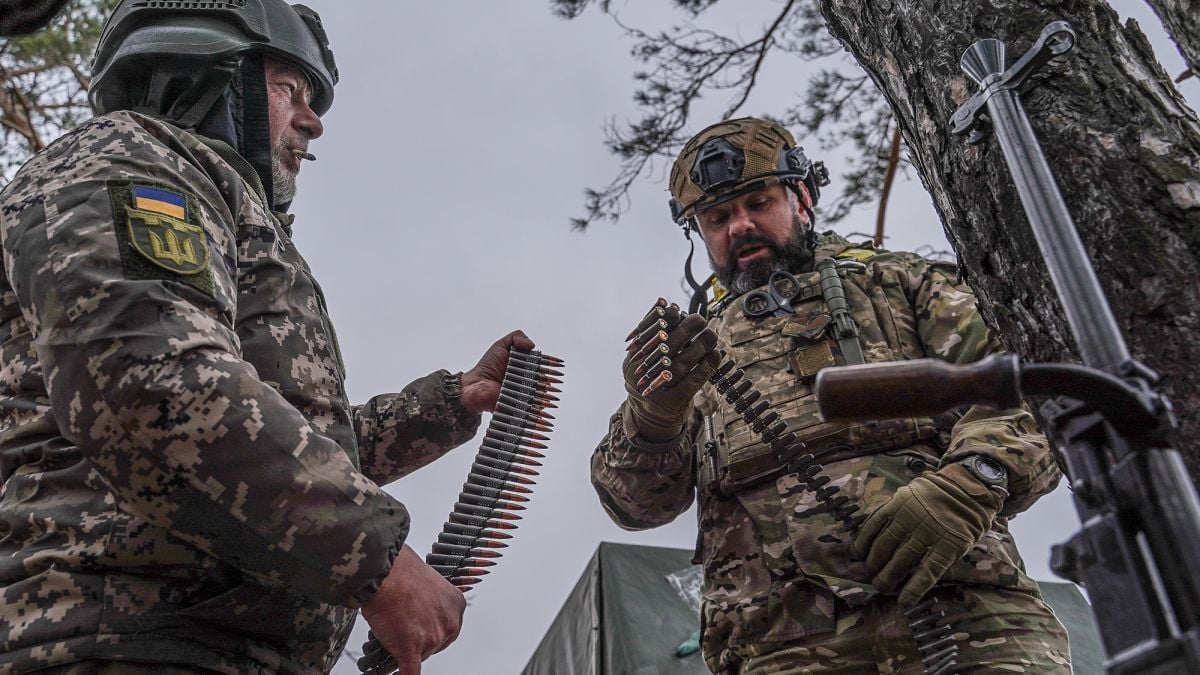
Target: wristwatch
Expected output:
[987,471]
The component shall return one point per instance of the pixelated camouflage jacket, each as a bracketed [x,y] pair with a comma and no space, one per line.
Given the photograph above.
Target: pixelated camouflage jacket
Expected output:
[181,468]
[773,558]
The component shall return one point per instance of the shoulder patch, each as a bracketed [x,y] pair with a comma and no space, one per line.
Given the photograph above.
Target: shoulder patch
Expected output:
[160,234]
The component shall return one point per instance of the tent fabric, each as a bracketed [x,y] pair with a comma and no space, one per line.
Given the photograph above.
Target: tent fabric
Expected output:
[624,618]
[1073,610]
[635,618]
[571,644]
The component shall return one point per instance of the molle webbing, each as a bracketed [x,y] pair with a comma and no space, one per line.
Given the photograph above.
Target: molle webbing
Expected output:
[842,443]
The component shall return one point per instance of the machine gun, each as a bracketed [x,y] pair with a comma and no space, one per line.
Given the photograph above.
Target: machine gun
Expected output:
[1137,551]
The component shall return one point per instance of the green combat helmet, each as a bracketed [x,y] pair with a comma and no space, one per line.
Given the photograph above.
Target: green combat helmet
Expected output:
[729,159]
[199,65]
[21,17]
[733,157]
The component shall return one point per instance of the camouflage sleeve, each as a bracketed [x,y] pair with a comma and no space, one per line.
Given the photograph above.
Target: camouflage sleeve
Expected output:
[400,433]
[951,328]
[145,376]
[641,484]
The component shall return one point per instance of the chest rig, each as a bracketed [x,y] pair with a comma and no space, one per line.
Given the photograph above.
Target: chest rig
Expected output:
[782,346]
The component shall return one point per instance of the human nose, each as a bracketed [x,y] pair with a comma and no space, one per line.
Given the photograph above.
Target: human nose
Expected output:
[308,123]
[740,223]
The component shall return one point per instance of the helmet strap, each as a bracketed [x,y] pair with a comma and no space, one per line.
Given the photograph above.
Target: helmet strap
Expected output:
[811,236]
[176,95]
[194,105]
[699,290]
[254,142]
[219,122]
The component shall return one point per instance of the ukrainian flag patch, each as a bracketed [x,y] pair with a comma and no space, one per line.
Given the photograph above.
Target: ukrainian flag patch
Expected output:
[157,200]
[161,234]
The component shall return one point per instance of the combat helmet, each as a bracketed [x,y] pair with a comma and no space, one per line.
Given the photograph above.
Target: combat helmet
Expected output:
[198,64]
[25,17]
[733,157]
[729,159]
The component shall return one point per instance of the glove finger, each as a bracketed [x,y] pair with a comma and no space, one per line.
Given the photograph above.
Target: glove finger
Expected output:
[681,353]
[638,363]
[693,352]
[895,568]
[869,530]
[687,330]
[705,365]
[675,379]
[660,317]
[661,339]
[927,575]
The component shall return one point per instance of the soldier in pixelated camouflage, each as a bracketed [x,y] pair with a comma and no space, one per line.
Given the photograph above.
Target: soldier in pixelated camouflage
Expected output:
[786,590]
[185,486]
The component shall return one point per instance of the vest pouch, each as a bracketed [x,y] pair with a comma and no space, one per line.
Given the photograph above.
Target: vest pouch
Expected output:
[792,607]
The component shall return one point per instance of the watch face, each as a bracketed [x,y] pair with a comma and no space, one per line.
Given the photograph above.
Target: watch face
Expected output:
[988,470]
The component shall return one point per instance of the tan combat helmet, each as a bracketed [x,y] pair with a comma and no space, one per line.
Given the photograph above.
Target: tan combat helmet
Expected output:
[733,157]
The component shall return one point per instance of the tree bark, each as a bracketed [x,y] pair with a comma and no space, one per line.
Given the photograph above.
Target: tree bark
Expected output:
[1124,148]
[1179,17]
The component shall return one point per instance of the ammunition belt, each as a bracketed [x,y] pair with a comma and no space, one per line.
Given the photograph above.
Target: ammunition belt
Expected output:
[834,446]
[481,519]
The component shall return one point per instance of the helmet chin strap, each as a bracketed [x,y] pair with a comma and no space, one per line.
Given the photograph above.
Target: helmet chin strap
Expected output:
[254,141]
[699,301]
[811,236]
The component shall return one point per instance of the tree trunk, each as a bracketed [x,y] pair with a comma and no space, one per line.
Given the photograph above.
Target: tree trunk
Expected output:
[1124,148]
[1179,18]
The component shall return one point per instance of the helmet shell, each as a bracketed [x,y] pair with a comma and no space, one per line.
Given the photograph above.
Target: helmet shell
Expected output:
[733,157]
[207,32]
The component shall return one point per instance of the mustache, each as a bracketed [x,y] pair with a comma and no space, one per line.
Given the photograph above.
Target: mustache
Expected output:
[736,246]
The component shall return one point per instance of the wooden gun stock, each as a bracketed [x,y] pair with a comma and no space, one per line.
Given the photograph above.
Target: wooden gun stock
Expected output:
[918,388]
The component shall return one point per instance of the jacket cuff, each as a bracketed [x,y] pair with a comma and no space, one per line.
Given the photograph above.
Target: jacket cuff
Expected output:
[629,431]
[450,387]
[391,532]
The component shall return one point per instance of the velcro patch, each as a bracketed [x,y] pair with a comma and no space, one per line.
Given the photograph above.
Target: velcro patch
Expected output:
[809,360]
[160,234]
[809,325]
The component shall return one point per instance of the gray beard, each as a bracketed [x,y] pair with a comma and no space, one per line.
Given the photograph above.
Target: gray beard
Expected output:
[792,256]
[283,184]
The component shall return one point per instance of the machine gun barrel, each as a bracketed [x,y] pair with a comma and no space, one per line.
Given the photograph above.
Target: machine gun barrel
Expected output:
[1140,539]
[1088,314]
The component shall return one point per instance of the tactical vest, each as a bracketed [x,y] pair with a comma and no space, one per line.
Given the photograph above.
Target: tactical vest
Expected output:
[781,356]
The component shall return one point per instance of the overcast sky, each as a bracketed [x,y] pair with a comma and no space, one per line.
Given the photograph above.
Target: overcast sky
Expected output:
[436,219]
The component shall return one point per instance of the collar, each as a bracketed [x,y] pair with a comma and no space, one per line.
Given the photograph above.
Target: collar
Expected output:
[285,221]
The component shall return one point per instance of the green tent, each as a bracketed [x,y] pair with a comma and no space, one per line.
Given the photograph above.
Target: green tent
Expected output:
[625,618]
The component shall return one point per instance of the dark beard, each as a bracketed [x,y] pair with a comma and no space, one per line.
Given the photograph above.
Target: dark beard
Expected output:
[794,256]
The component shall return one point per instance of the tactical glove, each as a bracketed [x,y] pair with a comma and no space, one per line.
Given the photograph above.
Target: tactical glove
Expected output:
[670,356]
[909,542]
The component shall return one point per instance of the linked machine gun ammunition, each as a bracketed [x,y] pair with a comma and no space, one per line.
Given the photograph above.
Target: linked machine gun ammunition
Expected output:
[497,487]
[934,638]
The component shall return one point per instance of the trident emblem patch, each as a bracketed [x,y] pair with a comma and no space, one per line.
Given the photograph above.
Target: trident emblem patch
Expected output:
[168,242]
[161,235]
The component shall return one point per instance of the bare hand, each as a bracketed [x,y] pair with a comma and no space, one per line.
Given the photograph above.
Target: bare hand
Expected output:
[415,613]
[481,384]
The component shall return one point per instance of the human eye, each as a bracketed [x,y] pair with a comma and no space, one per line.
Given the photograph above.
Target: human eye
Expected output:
[714,219]
[287,86]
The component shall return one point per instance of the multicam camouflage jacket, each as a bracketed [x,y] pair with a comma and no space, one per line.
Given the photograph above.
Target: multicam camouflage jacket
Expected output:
[773,558]
[184,481]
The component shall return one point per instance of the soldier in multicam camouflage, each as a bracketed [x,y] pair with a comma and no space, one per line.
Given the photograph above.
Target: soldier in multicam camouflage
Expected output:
[785,589]
[185,486]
